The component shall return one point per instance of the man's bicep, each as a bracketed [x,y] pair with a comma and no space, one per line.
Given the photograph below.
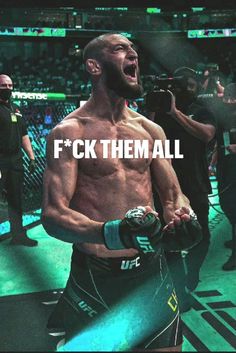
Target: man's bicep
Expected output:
[59,185]
[60,176]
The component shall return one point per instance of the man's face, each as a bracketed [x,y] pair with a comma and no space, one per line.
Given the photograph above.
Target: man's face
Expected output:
[120,67]
[6,87]
[188,92]
[191,88]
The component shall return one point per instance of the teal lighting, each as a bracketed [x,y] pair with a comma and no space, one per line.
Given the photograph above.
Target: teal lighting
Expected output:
[128,323]
[126,34]
[33,31]
[27,219]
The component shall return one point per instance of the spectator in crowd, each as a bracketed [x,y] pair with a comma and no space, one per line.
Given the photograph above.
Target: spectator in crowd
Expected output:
[194,126]
[225,161]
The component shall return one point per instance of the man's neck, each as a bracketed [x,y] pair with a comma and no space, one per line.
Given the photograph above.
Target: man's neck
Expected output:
[108,105]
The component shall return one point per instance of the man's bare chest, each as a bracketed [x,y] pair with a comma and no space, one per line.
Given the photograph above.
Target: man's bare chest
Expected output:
[106,149]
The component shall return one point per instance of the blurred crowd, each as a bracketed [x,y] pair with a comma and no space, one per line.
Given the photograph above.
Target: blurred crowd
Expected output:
[46,74]
[66,73]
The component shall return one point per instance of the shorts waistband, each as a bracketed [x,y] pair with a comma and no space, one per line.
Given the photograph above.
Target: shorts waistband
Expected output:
[114,265]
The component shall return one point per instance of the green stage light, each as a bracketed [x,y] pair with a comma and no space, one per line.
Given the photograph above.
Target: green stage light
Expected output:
[56,96]
[153,10]
[38,96]
[195,9]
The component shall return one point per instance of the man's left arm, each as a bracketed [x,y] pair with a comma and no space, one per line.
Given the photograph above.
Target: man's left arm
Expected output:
[164,178]
[26,144]
[204,131]
[182,230]
[27,147]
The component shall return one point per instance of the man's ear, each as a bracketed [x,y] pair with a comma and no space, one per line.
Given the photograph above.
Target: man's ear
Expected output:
[93,67]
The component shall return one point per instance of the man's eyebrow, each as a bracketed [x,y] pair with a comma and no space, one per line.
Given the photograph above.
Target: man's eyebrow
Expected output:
[125,44]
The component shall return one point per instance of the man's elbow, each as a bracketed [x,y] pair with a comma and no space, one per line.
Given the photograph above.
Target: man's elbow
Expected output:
[49,224]
[209,134]
[207,138]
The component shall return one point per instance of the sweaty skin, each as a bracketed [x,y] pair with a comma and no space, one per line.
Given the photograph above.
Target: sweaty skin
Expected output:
[81,194]
[104,189]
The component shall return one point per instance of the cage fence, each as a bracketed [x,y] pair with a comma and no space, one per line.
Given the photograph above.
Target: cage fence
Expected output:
[40,117]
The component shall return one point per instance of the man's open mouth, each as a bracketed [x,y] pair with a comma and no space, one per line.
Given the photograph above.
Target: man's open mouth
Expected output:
[130,72]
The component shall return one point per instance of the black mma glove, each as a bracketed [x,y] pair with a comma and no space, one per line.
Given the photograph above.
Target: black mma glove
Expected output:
[182,237]
[32,166]
[140,229]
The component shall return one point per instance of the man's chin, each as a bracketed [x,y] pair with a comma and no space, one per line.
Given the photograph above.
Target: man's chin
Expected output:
[133,91]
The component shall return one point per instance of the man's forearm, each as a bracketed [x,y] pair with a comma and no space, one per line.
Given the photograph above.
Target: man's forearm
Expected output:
[204,132]
[72,227]
[26,144]
[173,200]
[170,207]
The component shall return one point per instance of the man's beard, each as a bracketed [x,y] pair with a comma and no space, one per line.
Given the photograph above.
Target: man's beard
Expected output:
[5,94]
[118,83]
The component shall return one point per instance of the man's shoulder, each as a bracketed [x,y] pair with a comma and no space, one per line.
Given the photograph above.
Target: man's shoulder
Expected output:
[70,126]
[15,108]
[137,117]
[151,127]
[12,107]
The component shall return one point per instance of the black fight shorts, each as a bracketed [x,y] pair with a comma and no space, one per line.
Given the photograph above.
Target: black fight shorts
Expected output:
[118,304]
[226,177]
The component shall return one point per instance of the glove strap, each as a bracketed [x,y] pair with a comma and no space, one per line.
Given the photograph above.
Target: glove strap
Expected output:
[112,235]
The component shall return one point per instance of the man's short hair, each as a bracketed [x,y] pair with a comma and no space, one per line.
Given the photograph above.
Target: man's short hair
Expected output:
[186,72]
[93,49]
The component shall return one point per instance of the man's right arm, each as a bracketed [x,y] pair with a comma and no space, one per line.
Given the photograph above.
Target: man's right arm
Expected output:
[60,178]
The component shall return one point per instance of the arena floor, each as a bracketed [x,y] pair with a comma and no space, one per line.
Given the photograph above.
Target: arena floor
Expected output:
[32,280]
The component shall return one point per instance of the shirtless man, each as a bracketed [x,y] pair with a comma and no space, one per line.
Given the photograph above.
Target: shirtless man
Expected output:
[85,202]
